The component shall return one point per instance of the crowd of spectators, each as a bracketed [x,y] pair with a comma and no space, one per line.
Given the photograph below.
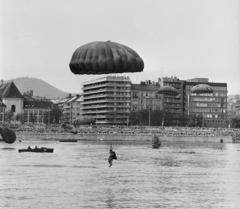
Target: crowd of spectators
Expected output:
[129,130]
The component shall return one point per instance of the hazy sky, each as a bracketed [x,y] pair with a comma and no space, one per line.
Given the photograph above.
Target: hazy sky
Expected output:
[183,38]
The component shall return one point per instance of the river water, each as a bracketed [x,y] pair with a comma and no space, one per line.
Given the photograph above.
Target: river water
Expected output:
[76,175]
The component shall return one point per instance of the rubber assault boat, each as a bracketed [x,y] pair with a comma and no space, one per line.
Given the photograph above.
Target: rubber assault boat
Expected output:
[41,149]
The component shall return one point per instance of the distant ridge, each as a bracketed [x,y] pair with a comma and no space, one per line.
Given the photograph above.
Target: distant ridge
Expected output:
[39,87]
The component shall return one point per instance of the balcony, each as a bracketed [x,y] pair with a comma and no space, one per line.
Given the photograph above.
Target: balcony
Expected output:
[95,112]
[105,106]
[172,106]
[106,84]
[97,101]
[98,91]
[98,96]
[173,101]
[104,101]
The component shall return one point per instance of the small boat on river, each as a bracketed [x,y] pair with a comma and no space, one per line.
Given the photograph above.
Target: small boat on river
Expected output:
[36,149]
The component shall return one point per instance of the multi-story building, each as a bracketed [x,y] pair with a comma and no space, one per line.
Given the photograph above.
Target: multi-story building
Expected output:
[2,111]
[145,96]
[107,99]
[212,107]
[173,105]
[233,108]
[71,108]
[76,107]
[37,111]
[11,97]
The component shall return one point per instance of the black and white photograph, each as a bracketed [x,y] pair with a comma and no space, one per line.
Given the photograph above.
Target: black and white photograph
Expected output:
[109,104]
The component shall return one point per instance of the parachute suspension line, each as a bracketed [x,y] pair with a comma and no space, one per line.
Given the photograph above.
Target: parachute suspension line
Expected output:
[79,81]
[111,145]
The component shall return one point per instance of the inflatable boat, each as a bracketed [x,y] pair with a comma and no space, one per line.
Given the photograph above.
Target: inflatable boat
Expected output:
[40,149]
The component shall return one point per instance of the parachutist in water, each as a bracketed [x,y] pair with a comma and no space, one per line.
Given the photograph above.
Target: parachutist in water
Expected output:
[111,157]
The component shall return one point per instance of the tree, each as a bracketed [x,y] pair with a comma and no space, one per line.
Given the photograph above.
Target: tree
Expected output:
[111,116]
[32,118]
[235,122]
[195,121]
[52,116]
[142,117]
[8,116]
[55,115]
[167,118]
[20,117]
[184,120]
[46,117]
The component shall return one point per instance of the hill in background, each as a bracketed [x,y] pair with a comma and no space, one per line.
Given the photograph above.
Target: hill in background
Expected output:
[39,87]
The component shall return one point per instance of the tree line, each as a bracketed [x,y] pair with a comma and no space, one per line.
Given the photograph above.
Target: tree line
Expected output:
[164,118]
[140,118]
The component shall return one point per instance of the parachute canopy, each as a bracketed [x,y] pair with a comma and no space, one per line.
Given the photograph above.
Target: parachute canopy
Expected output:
[168,90]
[105,58]
[8,135]
[202,88]
[84,120]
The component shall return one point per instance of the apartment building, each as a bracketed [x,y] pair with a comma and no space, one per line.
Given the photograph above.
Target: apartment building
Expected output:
[173,105]
[233,108]
[145,96]
[212,107]
[71,108]
[107,99]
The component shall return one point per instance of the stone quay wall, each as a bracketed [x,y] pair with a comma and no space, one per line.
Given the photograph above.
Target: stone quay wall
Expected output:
[28,136]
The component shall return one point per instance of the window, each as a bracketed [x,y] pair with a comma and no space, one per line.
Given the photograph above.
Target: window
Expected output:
[13,108]
[135,94]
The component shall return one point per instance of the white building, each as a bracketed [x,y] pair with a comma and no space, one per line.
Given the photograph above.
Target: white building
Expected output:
[107,99]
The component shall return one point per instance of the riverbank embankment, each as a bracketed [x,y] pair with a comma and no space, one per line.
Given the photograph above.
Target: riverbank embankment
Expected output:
[119,137]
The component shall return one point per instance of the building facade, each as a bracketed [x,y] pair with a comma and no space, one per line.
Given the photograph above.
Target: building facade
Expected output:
[11,97]
[173,105]
[212,107]
[2,111]
[145,96]
[233,109]
[37,112]
[107,99]
[71,108]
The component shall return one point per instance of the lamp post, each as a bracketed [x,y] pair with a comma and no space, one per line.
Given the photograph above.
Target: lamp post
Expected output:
[149,117]
[49,116]
[149,120]
[163,119]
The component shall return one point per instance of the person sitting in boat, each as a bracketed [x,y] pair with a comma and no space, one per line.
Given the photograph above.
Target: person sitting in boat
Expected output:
[111,157]
[36,147]
[29,147]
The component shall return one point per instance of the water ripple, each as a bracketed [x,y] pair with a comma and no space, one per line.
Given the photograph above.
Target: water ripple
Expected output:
[199,176]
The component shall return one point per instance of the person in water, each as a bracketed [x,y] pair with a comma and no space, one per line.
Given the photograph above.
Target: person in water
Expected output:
[111,157]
